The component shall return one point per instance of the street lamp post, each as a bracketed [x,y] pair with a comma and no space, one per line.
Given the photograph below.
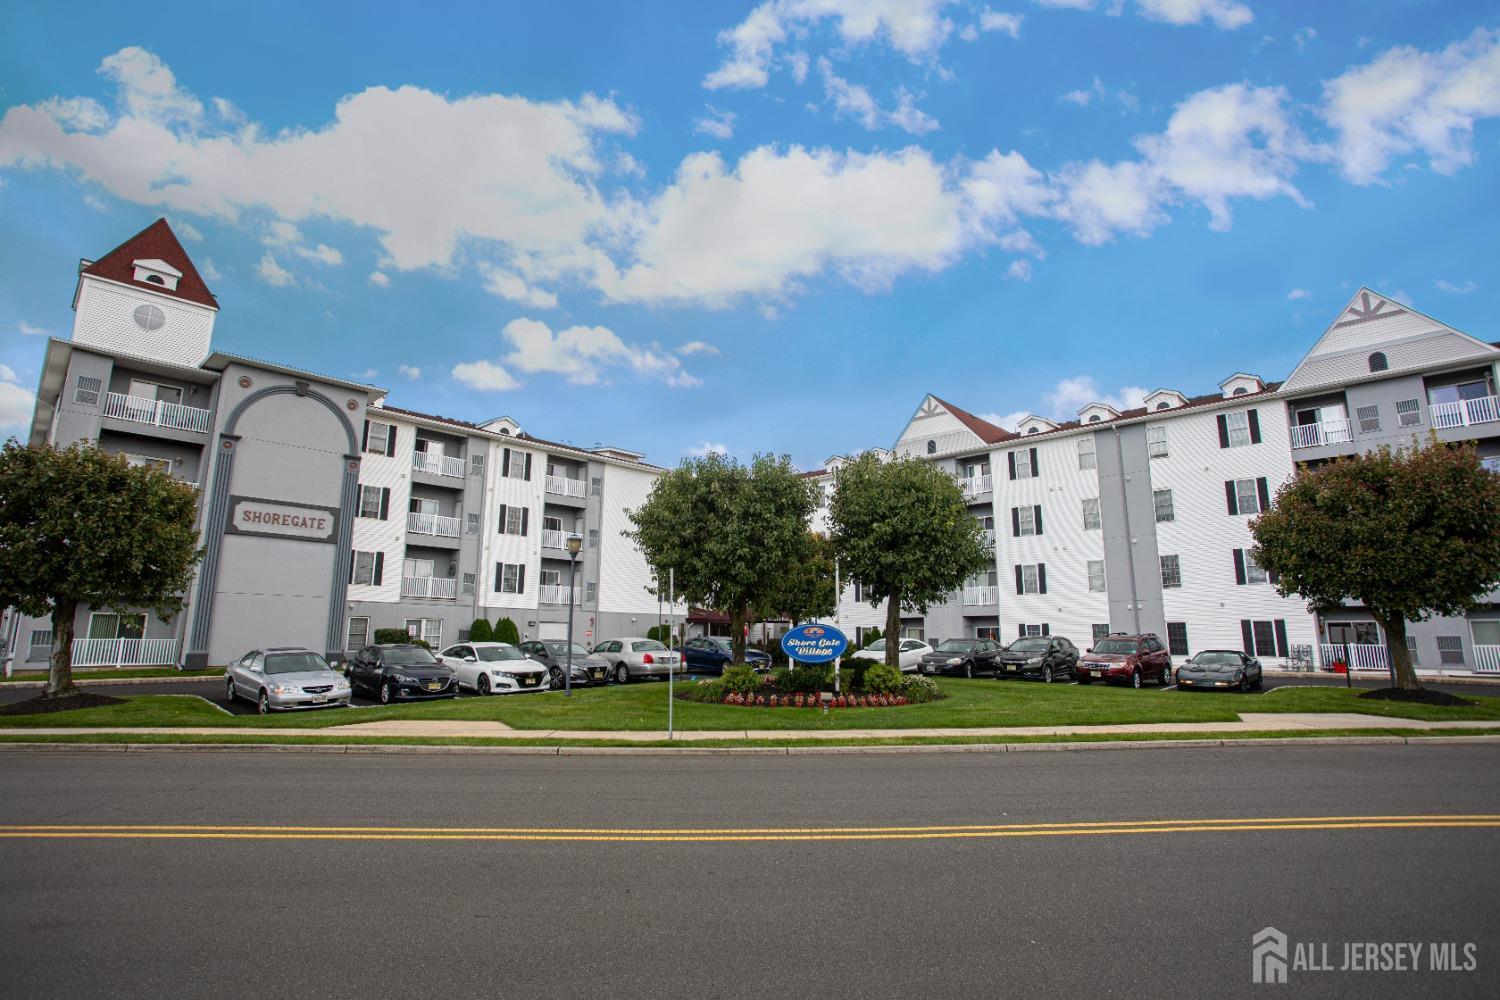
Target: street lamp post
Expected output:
[575,542]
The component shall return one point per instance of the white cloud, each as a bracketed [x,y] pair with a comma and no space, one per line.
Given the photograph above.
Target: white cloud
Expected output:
[272,273]
[1298,293]
[629,166]
[697,347]
[511,286]
[915,28]
[26,329]
[1009,421]
[1019,270]
[705,449]
[186,230]
[380,279]
[410,371]
[1068,5]
[1302,36]
[81,113]
[716,123]
[8,374]
[1408,101]
[990,20]
[1226,14]
[1072,394]
[853,101]
[1082,98]
[208,269]
[366,375]
[484,375]
[148,90]
[16,401]
[1460,288]
[322,253]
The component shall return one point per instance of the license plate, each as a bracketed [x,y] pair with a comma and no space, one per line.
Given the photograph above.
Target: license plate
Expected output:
[597,675]
[528,680]
[434,685]
[1011,667]
[319,699]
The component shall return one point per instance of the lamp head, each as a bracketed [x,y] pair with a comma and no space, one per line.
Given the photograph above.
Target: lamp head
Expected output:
[574,543]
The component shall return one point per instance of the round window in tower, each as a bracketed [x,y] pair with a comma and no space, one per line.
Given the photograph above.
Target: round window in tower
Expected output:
[149,317]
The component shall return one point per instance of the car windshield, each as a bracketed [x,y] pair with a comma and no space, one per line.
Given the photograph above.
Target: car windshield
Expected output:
[294,663]
[646,646]
[409,656]
[958,645]
[1029,645]
[1217,659]
[722,643]
[561,649]
[1119,647]
[878,645]
[489,654]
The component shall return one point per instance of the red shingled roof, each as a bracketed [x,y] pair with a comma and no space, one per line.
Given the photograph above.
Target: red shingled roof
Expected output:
[988,432]
[155,242]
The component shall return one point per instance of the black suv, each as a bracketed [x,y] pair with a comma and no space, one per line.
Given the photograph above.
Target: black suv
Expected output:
[1043,656]
[401,672]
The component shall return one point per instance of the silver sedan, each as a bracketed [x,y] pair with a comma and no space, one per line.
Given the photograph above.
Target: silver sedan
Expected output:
[281,678]
[635,656]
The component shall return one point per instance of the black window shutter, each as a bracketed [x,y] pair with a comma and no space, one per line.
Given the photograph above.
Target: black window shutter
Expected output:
[385,503]
[521,579]
[501,527]
[1046,629]
[1041,578]
[353,558]
[505,462]
[379,567]
[1022,630]
[364,439]
[1223,431]
[528,470]
[1273,576]
[1247,635]
[1254,427]
[499,574]
[1019,585]
[1231,497]
[390,439]
[1239,566]
[1015,522]
[1034,470]
[1037,511]
[525,519]
[1280,626]
[1010,457]
[1263,490]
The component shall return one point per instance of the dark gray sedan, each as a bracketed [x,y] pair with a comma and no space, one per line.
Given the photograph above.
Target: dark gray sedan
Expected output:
[1220,670]
[553,654]
[961,656]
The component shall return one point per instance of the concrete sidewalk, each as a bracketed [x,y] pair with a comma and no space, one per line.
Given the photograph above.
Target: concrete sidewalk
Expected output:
[1249,722]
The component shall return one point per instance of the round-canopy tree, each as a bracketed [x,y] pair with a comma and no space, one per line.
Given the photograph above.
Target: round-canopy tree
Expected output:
[1409,534]
[80,527]
[902,528]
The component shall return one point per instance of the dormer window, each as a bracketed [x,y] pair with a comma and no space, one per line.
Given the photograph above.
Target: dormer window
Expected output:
[932,447]
[1241,384]
[158,273]
[1163,405]
[1032,430]
[1240,390]
[1094,418]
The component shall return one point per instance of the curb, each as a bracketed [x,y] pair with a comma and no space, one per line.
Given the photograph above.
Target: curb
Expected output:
[1480,680]
[689,751]
[105,681]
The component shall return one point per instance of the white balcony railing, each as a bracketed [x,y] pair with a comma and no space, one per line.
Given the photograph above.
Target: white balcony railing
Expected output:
[124,652]
[554,539]
[1463,412]
[1357,656]
[156,412]
[553,594]
[989,537]
[981,596]
[432,524]
[438,465]
[1316,435]
[563,486]
[975,485]
[1487,659]
[428,586]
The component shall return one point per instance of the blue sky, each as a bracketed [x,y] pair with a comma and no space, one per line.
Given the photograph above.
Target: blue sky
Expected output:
[764,227]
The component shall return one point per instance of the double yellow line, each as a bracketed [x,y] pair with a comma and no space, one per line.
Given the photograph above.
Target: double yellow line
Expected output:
[733,834]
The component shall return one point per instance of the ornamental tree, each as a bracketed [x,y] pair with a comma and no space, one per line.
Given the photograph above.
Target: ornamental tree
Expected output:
[902,528]
[506,631]
[1408,534]
[729,532]
[805,591]
[480,631]
[81,527]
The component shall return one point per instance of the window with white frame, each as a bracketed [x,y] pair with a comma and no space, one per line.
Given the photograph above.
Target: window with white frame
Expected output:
[1247,496]
[1411,649]
[1171,571]
[590,592]
[1086,457]
[1030,579]
[1450,650]
[476,464]
[87,390]
[551,577]
[509,578]
[1024,468]
[1162,500]
[593,538]
[112,625]
[429,630]
[471,524]
[357,635]
[377,439]
[513,516]
[1090,513]
[468,583]
[149,461]
[364,568]
[370,500]
[1030,630]
[1369,419]
[1253,573]
[1177,638]
[1156,441]
[41,638]
[1096,575]
[596,487]
[1101,631]
[1408,412]
[516,469]
[1237,424]
[1026,520]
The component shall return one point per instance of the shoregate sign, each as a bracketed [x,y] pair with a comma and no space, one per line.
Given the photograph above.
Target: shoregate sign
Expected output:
[276,519]
[814,643]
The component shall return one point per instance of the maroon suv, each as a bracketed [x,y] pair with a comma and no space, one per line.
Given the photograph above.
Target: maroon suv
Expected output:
[1126,659]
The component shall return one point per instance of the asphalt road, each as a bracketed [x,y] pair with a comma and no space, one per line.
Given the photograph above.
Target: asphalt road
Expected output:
[1113,914]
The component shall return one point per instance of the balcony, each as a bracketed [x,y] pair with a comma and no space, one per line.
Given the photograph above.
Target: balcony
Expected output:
[564,487]
[553,594]
[156,412]
[428,586]
[1465,412]
[973,486]
[1323,433]
[432,524]
[988,534]
[438,465]
[1358,656]
[1486,659]
[125,652]
[555,540]
[981,597]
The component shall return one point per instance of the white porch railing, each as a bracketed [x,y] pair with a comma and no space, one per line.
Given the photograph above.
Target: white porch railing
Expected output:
[981,596]
[1356,655]
[124,652]
[1315,435]
[989,537]
[563,486]
[975,485]
[432,524]
[554,539]
[1487,659]
[1464,412]
[438,465]
[156,412]
[553,594]
[428,586]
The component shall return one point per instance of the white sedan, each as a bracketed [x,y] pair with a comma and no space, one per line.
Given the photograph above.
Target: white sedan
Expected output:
[494,668]
[909,656]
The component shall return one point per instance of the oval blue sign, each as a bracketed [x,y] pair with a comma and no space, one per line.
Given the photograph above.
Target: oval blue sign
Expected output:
[814,643]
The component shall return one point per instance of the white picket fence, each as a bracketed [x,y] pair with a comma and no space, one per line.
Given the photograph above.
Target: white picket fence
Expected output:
[125,652]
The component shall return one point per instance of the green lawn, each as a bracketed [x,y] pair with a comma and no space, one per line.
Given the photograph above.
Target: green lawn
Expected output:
[33,676]
[644,706]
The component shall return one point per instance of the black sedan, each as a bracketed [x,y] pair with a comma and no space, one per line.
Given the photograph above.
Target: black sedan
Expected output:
[401,672]
[1044,657]
[1220,670]
[553,654]
[961,656]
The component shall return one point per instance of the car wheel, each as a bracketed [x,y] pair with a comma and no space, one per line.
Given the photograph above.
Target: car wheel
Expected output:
[555,677]
[1166,677]
[229,695]
[1244,684]
[1046,673]
[622,674]
[484,684]
[1260,680]
[1135,677]
[387,694]
[969,669]
[265,702]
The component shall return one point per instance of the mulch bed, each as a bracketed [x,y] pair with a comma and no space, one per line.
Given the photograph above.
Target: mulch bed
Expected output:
[1422,696]
[43,706]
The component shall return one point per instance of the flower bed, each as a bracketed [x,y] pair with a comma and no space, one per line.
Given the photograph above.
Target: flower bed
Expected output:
[785,690]
[799,700]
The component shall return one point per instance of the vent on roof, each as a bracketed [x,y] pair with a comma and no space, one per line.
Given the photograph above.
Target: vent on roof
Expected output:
[1378,362]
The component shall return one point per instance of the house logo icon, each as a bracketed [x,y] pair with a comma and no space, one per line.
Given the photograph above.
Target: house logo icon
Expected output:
[1268,956]
[814,630]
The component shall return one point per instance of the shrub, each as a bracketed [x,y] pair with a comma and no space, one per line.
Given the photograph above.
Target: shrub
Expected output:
[480,631]
[661,633]
[781,679]
[871,636]
[709,691]
[920,689]
[740,679]
[882,679]
[384,636]
[852,673]
[808,677]
[506,631]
